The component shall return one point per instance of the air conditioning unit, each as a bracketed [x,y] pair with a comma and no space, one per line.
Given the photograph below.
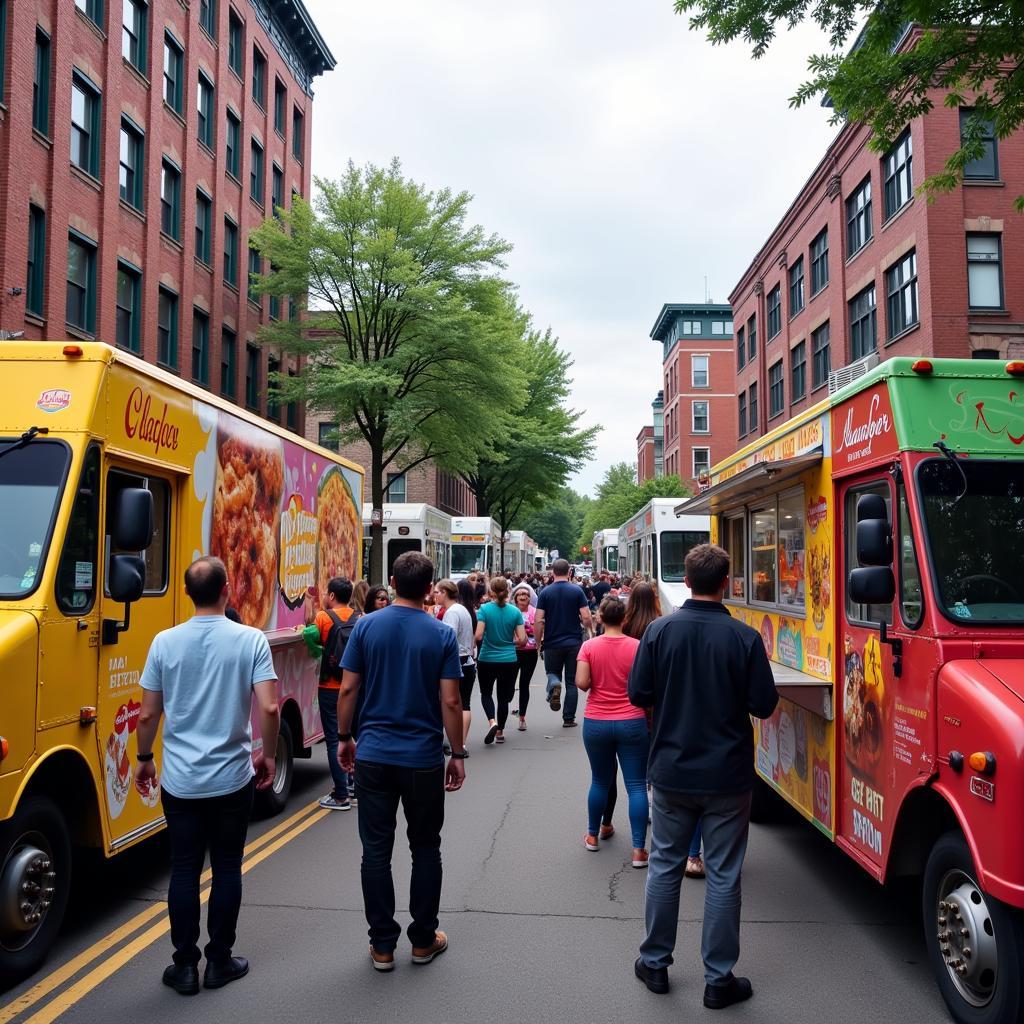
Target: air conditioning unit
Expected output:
[838,379]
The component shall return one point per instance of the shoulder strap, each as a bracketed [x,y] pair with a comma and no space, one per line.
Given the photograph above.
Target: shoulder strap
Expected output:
[335,618]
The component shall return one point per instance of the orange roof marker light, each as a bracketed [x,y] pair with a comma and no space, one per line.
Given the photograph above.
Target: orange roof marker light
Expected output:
[1015,367]
[983,761]
[73,351]
[922,366]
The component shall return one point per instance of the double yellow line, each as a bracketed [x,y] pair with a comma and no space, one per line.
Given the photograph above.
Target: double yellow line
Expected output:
[255,853]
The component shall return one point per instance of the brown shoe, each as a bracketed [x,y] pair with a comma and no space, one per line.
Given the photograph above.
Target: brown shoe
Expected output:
[382,961]
[425,954]
[607,831]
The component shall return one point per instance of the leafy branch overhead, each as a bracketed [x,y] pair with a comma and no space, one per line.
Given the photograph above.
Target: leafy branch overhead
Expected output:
[884,70]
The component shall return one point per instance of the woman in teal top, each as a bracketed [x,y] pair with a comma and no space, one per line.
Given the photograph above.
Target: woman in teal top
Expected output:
[500,631]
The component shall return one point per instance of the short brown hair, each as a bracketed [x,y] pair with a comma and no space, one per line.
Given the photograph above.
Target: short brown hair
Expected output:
[612,611]
[707,566]
[413,573]
[204,581]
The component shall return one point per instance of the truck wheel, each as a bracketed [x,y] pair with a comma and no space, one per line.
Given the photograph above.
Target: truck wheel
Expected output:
[975,942]
[272,801]
[35,880]
[765,804]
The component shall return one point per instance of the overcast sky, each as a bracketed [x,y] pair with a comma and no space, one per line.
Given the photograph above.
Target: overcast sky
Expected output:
[622,155]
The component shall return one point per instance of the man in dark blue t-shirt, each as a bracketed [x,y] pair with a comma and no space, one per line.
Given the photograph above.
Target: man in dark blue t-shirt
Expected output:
[562,617]
[407,665]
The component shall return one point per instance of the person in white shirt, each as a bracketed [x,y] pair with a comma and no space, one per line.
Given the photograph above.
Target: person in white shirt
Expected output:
[462,620]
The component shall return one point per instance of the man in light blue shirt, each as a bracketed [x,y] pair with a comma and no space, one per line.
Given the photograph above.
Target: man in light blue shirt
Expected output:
[201,676]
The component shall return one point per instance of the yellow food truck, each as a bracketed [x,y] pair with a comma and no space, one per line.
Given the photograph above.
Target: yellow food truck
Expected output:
[114,476]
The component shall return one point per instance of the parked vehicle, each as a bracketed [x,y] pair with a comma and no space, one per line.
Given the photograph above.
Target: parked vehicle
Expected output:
[476,545]
[606,551]
[412,527]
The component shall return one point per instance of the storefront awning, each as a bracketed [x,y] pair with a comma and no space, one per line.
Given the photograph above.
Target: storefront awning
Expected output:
[750,483]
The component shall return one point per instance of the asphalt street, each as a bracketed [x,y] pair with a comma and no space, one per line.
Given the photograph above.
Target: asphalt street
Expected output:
[540,929]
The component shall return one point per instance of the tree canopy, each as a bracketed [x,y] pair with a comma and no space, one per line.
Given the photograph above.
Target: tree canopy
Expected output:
[969,51]
[555,522]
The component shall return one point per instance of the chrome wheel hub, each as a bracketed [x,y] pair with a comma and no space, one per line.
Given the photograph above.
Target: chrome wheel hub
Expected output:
[967,938]
[27,888]
[281,766]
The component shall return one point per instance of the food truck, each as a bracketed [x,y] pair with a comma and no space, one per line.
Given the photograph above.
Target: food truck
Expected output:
[412,527]
[655,543]
[520,551]
[606,551]
[877,545]
[114,476]
[476,545]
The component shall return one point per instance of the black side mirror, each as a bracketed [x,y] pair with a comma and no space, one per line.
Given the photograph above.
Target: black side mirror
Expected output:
[126,578]
[133,522]
[874,531]
[872,584]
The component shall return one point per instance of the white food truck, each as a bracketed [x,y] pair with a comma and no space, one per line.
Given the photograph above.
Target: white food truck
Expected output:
[476,545]
[413,527]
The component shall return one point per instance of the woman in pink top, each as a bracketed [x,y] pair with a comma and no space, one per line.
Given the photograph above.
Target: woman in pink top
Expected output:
[613,728]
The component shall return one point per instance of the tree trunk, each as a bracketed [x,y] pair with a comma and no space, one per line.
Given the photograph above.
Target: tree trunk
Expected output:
[483,506]
[376,570]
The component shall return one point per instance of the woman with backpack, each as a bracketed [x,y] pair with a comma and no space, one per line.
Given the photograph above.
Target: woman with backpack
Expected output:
[499,632]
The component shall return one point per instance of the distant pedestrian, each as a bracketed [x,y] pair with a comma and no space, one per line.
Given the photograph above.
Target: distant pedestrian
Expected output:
[526,655]
[499,633]
[644,607]
[704,674]
[614,730]
[463,621]
[200,677]
[562,618]
[601,588]
[376,598]
[359,592]
[407,666]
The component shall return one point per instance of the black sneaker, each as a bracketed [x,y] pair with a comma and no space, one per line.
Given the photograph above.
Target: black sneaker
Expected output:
[555,698]
[569,723]
[491,733]
[655,978]
[183,979]
[735,990]
[217,975]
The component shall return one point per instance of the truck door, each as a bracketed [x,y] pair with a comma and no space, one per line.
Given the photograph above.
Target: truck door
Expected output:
[129,815]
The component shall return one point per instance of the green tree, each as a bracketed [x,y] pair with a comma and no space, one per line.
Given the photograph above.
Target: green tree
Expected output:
[968,50]
[555,522]
[543,445]
[416,347]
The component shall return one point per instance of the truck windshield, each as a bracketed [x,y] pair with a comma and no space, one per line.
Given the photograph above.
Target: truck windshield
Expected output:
[675,546]
[467,557]
[31,479]
[974,524]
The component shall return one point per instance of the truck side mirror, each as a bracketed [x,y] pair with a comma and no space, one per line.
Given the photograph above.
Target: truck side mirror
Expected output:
[874,584]
[133,520]
[126,578]
[874,531]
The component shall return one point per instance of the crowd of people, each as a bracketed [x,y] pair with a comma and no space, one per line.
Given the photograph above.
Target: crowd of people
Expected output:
[668,702]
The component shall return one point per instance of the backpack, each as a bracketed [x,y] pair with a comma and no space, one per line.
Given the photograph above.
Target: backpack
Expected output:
[334,648]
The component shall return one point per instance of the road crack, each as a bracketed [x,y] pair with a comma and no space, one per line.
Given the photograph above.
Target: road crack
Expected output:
[613,883]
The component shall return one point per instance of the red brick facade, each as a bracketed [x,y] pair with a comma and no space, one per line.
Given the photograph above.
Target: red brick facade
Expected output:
[122,255]
[949,321]
[645,455]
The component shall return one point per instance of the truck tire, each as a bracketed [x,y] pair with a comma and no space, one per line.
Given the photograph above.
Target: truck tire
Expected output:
[35,881]
[273,800]
[765,804]
[975,942]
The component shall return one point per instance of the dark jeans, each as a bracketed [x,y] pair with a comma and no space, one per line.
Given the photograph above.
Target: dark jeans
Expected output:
[217,824]
[329,720]
[466,686]
[504,674]
[527,663]
[559,660]
[628,741]
[421,792]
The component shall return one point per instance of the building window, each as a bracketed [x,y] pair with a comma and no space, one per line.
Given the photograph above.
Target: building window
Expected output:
[819,262]
[92,9]
[776,390]
[252,376]
[256,172]
[798,372]
[754,424]
[167,329]
[701,417]
[201,347]
[327,435]
[81,296]
[204,105]
[774,311]
[901,294]
[174,72]
[691,327]
[228,362]
[85,125]
[986,353]
[986,166]
[276,190]
[275,300]
[131,175]
[741,405]
[280,106]
[235,31]
[291,410]
[858,218]
[298,130]
[233,141]
[208,17]
[170,200]
[741,349]
[396,491]
[751,338]
[820,356]
[984,271]
[133,33]
[863,323]
[273,403]
[230,252]
[701,462]
[129,290]
[36,275]
[796,287]
[699,371]
[41,84]
[259,78]
[897,173]
[204,225]
[255,269]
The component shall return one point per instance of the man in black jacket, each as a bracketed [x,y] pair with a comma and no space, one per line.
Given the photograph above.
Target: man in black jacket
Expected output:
[704,674]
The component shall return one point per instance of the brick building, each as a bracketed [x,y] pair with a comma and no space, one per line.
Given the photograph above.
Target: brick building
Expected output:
[861,268]
[645,454]
[140,142]
[650,443]
[699,386]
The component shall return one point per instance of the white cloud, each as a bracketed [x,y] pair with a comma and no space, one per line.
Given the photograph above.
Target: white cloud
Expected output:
[622,155]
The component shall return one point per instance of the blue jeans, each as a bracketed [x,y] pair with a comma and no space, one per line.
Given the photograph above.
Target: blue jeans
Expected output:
[329,720]
[556,661]
[629,741]
[726,822]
